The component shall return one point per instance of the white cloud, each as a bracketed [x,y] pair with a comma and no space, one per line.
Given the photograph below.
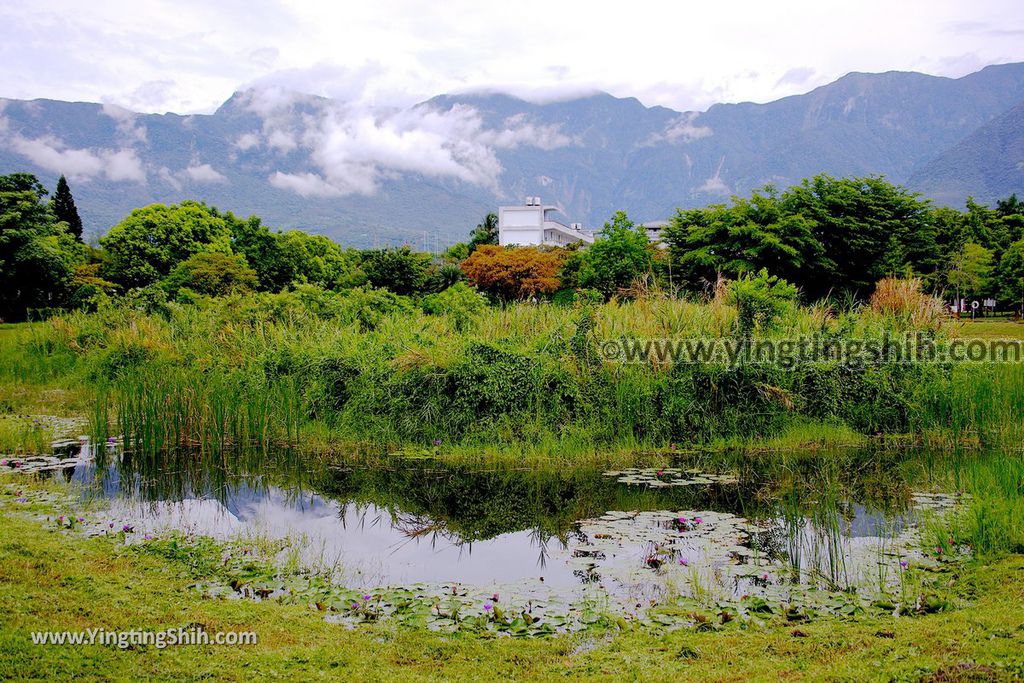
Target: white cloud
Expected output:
[684,129]
[304,184]
[122,165]
[164,55]
[247,141]
[130,130]
[282,140]
[52,154]
[354,145]
[204,173]
[520,131]
[714,185]
[168,177]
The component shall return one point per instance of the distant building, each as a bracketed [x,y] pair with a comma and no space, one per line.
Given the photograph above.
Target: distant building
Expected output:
[532,224]
[653,230]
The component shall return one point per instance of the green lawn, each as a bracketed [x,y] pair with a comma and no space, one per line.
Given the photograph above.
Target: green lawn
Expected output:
[51,580]
[984,328]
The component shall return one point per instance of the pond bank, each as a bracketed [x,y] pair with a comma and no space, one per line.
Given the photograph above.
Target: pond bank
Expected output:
[55,581]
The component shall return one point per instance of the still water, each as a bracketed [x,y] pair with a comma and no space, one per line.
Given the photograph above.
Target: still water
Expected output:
[725,525]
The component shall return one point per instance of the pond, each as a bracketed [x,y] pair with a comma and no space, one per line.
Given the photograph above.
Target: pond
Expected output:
[716,528]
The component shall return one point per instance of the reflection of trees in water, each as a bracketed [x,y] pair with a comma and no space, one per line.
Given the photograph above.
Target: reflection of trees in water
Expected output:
[432,500]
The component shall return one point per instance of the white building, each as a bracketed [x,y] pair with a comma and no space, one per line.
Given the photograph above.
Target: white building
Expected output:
[532,224]
[653,230]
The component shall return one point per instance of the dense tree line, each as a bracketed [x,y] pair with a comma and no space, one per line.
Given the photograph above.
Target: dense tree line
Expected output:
[840,236]
[826,236]
[40,255]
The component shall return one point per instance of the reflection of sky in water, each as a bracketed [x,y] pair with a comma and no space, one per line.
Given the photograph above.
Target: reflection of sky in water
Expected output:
[366,541]
[371,545]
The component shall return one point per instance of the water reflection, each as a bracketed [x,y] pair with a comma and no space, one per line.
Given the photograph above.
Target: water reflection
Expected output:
[394,521]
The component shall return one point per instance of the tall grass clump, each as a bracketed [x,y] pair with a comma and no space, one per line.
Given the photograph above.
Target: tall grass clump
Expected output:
[371,367]
[905,301]
[992,523]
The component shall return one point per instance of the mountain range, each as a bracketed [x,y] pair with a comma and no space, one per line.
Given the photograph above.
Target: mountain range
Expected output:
[427,174]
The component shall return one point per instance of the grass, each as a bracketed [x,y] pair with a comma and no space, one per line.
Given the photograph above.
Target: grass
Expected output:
[522,379]
[987,328]
[58,581]
[24,434]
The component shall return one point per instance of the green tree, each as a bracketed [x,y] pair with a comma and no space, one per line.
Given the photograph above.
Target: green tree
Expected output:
[149,242]
[619,255]
[263,252]
[1011,275]
[401,270]
[867,228]
[1011,206]
[744,237]
[37,254]
[212,273]
[64,208]
[317,260]
[486,232]
[969,270]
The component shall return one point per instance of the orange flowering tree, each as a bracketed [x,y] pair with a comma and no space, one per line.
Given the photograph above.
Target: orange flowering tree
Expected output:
[514,273]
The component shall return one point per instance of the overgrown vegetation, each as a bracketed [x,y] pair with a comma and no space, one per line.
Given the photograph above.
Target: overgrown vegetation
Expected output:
[367,365]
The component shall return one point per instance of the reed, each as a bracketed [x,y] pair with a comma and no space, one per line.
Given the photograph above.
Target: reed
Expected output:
[273,368]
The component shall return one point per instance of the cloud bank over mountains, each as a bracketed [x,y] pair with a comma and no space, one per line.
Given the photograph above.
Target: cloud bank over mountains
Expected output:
[365,171]
[351,146]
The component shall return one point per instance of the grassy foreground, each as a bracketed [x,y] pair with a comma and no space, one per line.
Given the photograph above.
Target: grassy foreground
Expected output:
[59,581]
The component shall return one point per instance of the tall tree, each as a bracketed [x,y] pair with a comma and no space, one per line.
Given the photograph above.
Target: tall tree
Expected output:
[514,274]
[149,242]
[401,270]
[744,237]
[868,228]
[969,270]
[486,232]
[37,256]
[1011,275]
[64,208]
[617,257]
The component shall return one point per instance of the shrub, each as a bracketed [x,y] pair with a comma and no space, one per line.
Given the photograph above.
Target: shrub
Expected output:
[368,306]
[400,270]
[212,273]
[760,300]
[516,273]
[460,302]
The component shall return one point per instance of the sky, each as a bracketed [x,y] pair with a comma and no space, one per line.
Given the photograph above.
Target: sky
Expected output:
[188,56]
